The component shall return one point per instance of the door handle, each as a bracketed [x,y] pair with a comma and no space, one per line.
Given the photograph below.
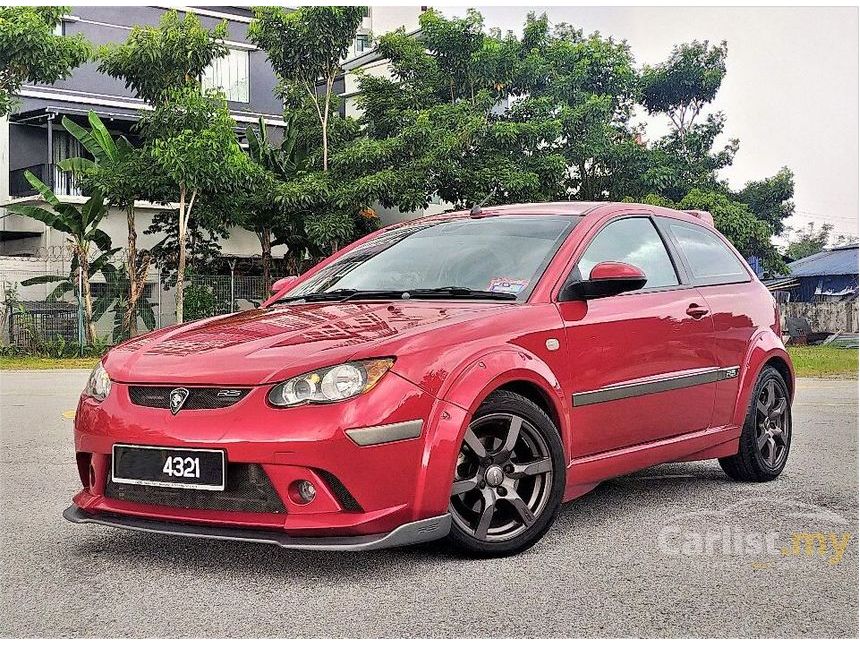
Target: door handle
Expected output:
[697,311]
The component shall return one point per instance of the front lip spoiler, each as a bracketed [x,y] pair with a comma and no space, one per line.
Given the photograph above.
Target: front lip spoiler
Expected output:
[426,530]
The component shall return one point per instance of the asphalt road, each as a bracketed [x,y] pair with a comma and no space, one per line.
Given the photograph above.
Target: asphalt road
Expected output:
[672,551]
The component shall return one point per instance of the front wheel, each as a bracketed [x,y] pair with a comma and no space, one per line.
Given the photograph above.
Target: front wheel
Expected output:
[766,435]
[509,479]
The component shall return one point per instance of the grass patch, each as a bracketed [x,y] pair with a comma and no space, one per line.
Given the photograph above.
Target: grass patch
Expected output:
[824,361]
[43,363]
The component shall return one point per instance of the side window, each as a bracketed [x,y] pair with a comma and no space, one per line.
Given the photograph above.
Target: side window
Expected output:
[633,240]
[709,259]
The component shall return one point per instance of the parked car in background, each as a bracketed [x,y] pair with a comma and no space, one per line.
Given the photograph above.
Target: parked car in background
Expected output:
[460,375]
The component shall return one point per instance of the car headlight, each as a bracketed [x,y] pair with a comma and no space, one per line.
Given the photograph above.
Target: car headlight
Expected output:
[330,384]
[98,387]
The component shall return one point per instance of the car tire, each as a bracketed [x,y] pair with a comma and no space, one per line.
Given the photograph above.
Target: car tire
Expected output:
[766,436]
[511,467]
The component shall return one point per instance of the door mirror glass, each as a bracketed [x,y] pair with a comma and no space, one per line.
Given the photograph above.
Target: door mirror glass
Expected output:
[606,279]
[283,283]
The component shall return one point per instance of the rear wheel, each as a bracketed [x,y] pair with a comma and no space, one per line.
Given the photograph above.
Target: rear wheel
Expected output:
[766,435]
[509,478]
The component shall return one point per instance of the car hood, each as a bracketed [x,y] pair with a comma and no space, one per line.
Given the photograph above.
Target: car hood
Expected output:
[268,345]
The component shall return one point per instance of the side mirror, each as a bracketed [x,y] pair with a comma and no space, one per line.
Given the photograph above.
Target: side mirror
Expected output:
[283,283]
[605,279]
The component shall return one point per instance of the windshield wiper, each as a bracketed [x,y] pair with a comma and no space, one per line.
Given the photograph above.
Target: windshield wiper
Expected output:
[461,292]
[341,295]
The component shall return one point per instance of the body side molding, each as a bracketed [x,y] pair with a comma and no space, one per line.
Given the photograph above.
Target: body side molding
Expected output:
[654,386]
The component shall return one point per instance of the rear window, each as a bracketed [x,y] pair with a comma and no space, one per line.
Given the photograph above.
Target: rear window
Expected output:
[710,260]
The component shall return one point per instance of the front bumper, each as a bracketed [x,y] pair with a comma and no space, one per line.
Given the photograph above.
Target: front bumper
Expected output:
[369,495]
[426,530]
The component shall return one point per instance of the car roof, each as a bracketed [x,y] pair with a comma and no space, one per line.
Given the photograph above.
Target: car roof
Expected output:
[573,209]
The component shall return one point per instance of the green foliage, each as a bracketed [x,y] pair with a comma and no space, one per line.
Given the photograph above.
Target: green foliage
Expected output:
[770,199]
[202,243]
[190,139]
[305,47]
[681,85]
[30,51]
[57,348]
[80,223]
[468,113]
[811,239]
[307,43]
[200,302]
[171,56]
[116,169]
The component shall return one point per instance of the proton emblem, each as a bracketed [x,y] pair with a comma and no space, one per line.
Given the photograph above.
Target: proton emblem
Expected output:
[177,399]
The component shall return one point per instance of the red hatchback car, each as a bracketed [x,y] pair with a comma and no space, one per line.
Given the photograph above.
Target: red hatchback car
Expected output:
[460,375]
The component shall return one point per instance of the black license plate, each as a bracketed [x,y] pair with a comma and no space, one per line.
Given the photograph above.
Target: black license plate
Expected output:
[168,467]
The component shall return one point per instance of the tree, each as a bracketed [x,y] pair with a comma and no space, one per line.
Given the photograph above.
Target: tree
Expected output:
[164,65]
[80,223]
[770,199]
[811,239]
[272,221]
[32,52]
[447,124]
[305,47]
[202,242]
[682,85]
[170,56]
[190,140]
[117,171]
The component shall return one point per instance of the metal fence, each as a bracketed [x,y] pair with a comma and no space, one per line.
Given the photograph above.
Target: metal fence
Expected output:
[40,315]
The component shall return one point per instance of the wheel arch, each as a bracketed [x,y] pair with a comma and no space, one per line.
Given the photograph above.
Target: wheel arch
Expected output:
[505,368]
[514,370]
[537,395]
[766,349]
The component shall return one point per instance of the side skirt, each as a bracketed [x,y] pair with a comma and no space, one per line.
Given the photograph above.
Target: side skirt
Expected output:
[584,473]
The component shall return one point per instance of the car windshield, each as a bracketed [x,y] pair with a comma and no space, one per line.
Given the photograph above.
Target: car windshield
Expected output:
[468,257]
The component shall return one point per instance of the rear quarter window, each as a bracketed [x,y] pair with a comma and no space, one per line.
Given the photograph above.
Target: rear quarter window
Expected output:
[709,258]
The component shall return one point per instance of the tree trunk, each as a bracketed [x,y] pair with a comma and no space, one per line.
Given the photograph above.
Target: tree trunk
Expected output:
[180,267]
[84,268]
[129,319]
[266,252]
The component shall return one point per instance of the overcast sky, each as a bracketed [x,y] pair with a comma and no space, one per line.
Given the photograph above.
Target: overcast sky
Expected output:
[790,94]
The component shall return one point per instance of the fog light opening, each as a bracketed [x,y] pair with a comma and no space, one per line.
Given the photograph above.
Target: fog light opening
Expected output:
[302,491]
[92,478]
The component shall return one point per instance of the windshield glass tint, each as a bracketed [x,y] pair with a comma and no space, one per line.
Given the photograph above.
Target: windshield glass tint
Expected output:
[500,254]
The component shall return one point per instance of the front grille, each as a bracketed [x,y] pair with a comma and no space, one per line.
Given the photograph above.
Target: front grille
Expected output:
[199,398]
[248,489]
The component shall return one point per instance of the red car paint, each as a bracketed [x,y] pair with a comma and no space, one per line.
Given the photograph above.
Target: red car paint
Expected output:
[449,355]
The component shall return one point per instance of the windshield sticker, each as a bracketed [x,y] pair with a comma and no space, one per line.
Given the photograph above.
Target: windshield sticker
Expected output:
[507,285]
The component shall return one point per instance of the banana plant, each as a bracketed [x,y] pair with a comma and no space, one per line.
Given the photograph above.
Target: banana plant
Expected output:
[115,156]
[80,224]
[283,163]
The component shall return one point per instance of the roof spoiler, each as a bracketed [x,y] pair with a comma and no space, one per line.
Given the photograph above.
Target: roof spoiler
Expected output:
[705,216]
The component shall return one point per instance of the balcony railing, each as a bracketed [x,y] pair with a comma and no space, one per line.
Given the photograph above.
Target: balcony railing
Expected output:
[61,182]
[18,184]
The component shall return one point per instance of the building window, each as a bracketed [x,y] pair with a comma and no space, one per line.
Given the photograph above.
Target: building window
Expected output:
[362,44]
[230,75]
[65,146]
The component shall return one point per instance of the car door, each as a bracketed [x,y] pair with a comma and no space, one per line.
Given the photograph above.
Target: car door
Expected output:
[738,304]
[640,364]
